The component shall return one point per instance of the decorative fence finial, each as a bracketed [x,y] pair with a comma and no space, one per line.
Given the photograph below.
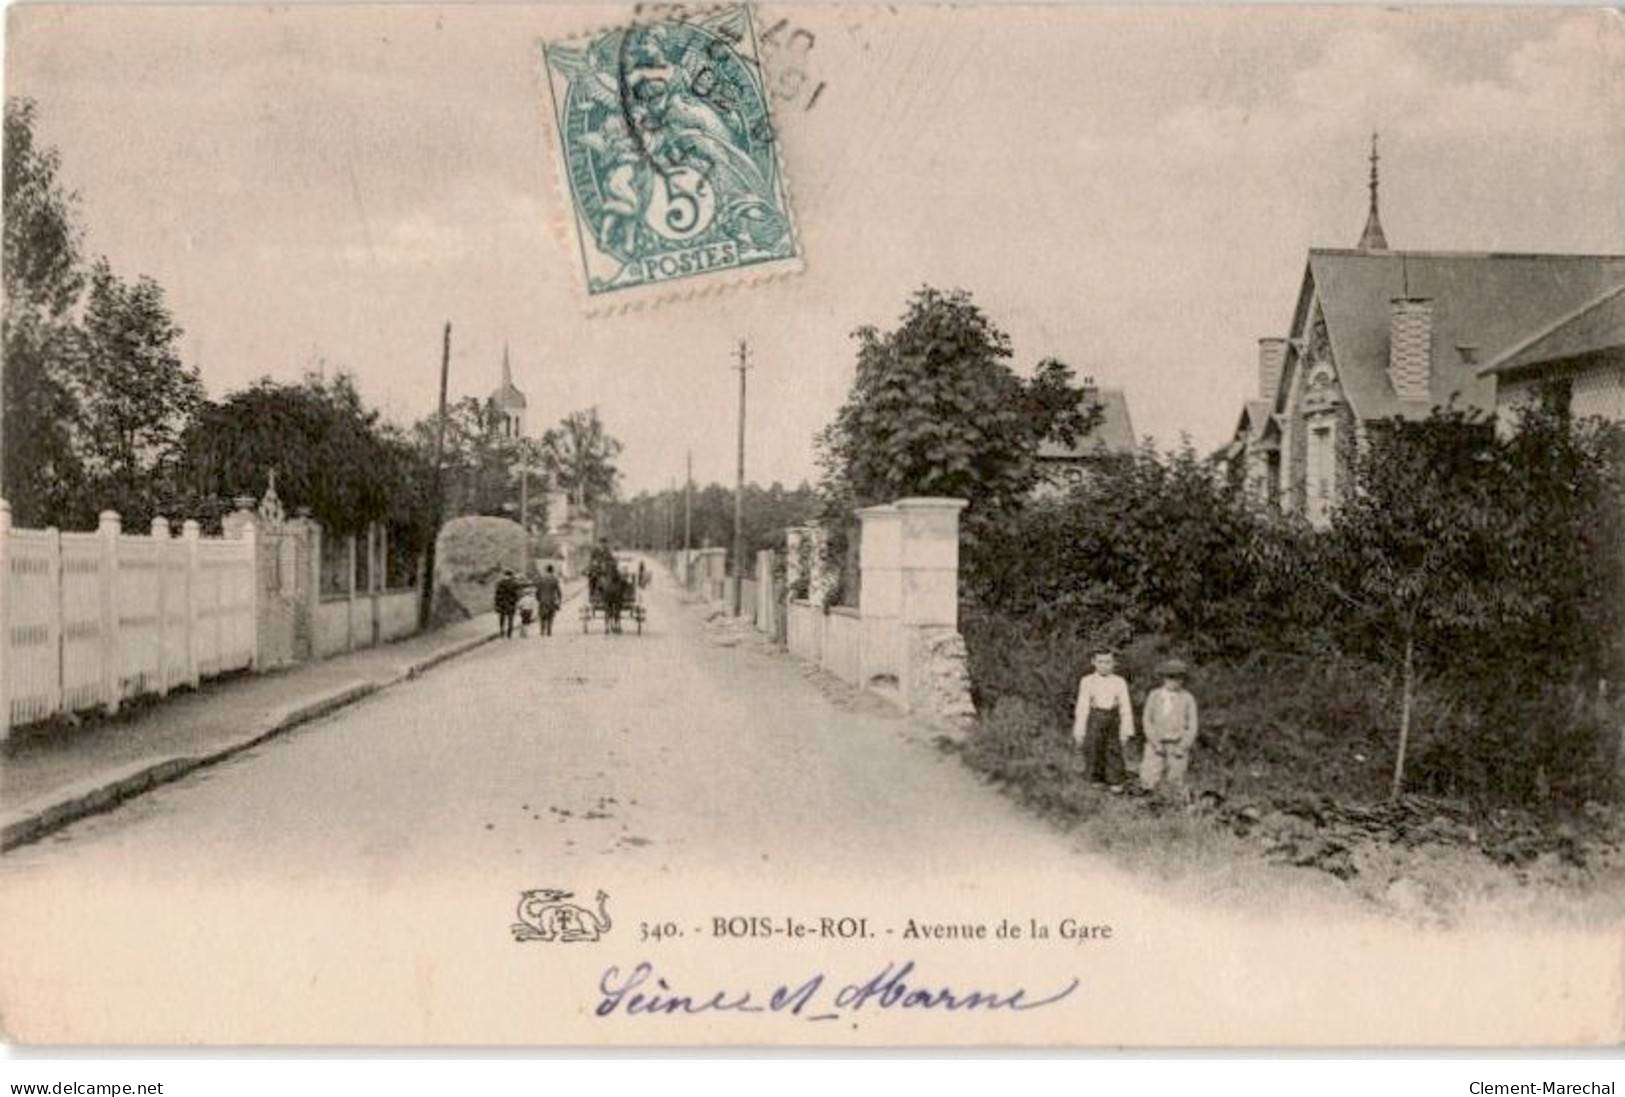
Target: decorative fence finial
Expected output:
[271,513]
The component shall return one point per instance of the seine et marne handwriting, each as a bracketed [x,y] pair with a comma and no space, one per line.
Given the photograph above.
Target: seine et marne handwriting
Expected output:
[642,992]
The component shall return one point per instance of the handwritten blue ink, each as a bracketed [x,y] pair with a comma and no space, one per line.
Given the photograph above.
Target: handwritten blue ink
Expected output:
[641,992]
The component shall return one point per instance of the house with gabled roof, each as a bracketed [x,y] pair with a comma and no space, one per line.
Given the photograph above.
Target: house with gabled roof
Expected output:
[1062,465]
[1378,333]
[1582,354]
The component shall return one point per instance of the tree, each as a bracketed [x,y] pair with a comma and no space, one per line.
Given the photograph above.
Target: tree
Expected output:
[332,453]
[482,465]
[1417,551]
[579,455]
[42,281]
[136,396]
[655,520]
[936,410]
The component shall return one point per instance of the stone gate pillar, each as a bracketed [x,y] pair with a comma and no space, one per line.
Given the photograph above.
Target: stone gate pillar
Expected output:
[794,569]
[935,681]
[822,578]
[880,557]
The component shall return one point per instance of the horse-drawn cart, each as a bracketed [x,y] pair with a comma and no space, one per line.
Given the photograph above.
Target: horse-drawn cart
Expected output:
[613,601]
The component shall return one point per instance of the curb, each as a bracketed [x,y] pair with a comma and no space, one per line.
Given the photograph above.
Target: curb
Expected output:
[99,794]
[430,662]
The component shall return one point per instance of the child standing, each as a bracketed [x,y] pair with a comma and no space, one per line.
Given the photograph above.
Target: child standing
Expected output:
[1103,721]
[527,610]
[1170,730]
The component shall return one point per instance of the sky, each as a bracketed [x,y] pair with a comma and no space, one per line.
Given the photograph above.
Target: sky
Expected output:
[1132,191]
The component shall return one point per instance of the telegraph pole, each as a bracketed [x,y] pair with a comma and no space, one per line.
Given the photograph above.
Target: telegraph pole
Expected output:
[437,505]
[688,514]
[739,486]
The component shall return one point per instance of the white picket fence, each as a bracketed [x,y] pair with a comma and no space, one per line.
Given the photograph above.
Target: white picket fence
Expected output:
[89,619]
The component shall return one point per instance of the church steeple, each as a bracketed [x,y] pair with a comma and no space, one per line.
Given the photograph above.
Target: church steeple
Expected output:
[1372,239]
[509,402]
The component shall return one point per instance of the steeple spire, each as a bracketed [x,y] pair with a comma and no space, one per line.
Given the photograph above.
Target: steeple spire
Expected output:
[1373,239]
[507,371]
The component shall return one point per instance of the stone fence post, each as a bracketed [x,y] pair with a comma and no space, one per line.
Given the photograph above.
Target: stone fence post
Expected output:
[162,548]
[880,600]
[108,528]
[5,620]
[823,578]
[190,537]
[935,680]
[794,573]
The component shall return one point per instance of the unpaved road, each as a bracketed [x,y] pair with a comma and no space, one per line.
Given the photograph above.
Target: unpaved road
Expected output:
[355,880]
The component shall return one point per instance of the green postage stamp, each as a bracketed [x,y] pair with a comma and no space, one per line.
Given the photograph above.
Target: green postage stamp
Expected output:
[670,156]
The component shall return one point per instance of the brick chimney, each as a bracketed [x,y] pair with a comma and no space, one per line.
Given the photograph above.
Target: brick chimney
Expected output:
[1271,359]
[1410,346]
[1091,391]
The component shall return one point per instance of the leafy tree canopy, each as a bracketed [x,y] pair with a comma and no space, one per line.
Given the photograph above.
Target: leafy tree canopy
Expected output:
[935,409]
[579,455]
[42,472]
[332,453]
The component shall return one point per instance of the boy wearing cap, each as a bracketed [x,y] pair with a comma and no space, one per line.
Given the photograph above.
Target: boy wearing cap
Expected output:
[1170,729]
[1103,708]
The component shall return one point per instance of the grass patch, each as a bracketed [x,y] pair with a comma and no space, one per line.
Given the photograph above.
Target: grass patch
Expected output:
[1291,771]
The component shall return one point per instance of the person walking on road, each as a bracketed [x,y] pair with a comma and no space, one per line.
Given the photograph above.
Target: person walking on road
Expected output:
[1103,721]
[1170,730]
[548,598]
[506,598]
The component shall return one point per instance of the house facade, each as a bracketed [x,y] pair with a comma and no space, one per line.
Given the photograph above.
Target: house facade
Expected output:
[1062,465]
[1378,333]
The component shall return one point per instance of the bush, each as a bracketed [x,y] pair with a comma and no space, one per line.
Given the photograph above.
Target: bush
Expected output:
[1556,746]
[1010,659]
[1153,540]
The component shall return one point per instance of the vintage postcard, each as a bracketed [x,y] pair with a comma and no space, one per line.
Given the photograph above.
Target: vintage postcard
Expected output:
[830,524]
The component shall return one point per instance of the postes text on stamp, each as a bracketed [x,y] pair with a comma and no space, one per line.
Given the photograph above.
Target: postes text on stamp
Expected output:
[669,153]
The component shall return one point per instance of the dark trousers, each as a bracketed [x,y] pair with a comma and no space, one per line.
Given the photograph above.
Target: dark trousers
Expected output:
[1101,751]
[547,619]
[505,622]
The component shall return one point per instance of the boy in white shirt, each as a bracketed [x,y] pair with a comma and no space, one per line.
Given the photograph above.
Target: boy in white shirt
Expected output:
[1103,721]
[1170,730]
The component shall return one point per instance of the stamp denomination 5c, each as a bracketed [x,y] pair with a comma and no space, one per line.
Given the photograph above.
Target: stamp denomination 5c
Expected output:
[669,154]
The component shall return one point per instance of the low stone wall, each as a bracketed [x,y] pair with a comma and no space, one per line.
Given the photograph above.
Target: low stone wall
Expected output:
[333,627]
[831,638]
[804,631]
[398,614]
[344,625]
[843,644]
[904,635]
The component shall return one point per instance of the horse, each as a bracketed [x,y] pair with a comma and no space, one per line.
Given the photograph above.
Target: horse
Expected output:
[614,589]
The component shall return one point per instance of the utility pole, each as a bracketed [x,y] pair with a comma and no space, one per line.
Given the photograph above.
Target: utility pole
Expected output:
[688,514]
[437,505]
[739,487]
